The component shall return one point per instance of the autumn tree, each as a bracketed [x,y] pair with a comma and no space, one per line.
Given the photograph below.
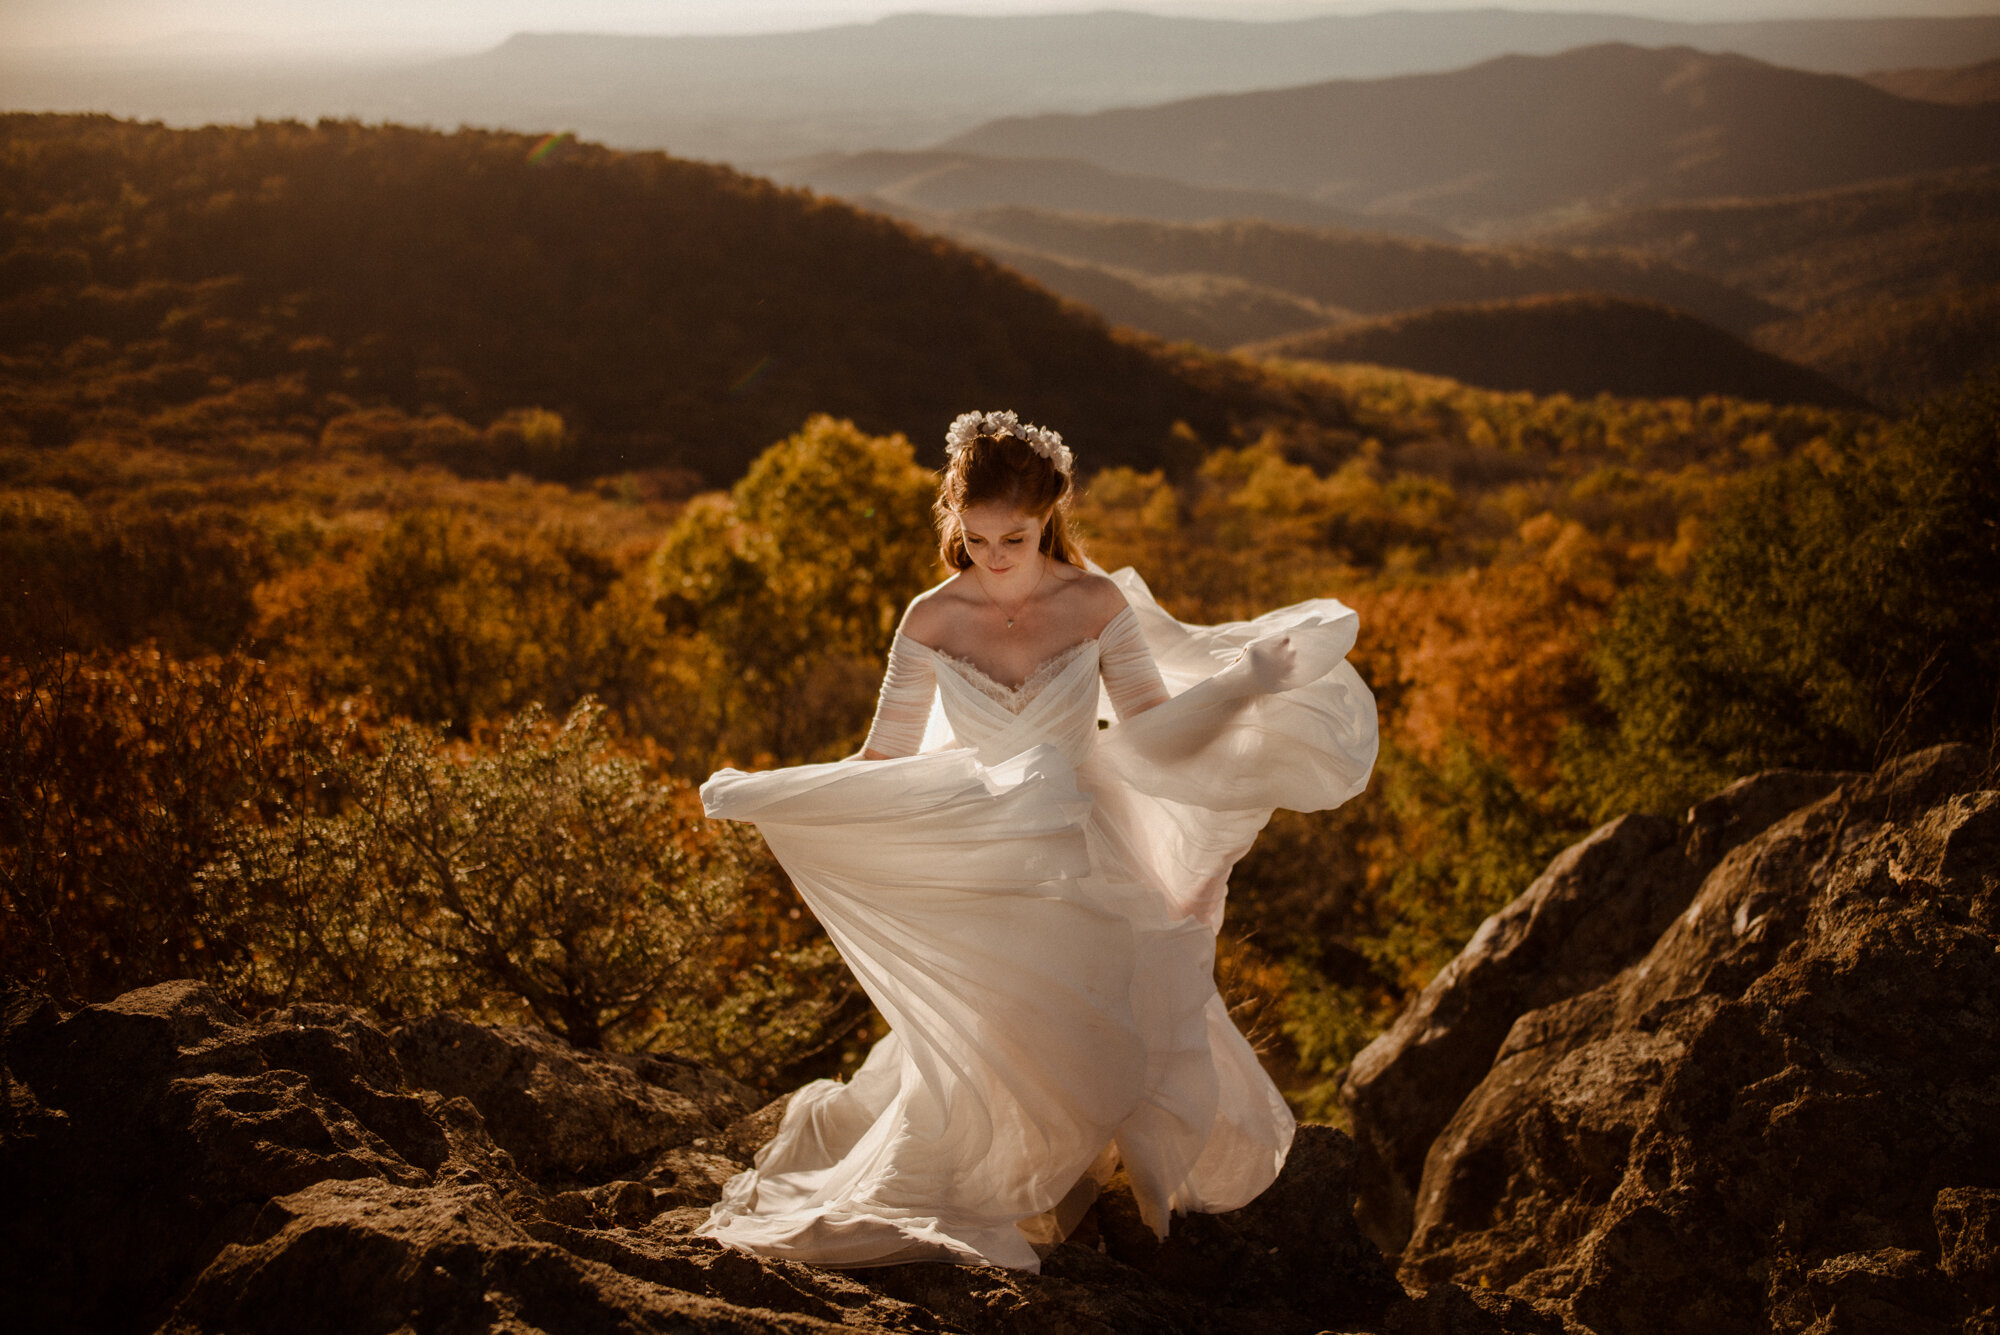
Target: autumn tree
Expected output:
[788,590]
[121,775]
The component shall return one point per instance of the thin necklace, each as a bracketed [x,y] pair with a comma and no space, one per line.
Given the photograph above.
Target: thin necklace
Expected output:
[1022,605]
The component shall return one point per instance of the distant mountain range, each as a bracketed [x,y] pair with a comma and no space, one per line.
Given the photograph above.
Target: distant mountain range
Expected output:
[912,80]
[1962,86]
[1524,141]
[1889,289]
[1577,344]
[1240,216]
[951,182]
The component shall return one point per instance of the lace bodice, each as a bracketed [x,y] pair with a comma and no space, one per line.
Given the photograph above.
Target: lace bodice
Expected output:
[1057,702]
[1016,698]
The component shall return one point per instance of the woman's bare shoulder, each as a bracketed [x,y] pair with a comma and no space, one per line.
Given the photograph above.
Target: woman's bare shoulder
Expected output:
[931,613]
[1098,596]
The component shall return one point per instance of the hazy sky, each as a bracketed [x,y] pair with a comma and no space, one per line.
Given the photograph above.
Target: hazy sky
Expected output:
[329,26]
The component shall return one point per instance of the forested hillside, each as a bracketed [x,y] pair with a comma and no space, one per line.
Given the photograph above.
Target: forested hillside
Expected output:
[672,314]
[1369,273]
[1581,344]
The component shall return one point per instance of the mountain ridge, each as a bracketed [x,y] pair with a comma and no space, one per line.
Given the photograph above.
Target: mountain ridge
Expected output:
[942,182]
[1468,147]
[1367,273]
[851,87]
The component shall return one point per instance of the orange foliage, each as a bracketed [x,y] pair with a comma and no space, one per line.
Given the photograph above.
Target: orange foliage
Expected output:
[1501,655]
[124,773]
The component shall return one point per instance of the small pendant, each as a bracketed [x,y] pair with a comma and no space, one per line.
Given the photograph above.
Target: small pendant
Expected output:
[1010,623]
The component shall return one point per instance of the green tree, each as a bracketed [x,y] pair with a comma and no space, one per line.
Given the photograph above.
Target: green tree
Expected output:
[1845,607]
[789,591]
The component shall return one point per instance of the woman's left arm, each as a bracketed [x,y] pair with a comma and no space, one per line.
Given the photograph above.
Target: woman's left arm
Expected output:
[1131,677]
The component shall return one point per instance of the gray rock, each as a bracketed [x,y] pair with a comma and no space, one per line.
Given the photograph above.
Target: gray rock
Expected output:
[1294,1252]
[1600,905]
[141,1134]
[561,1110]
[1968,1229]
[1781,1116]
[351,1258]
[172,1166]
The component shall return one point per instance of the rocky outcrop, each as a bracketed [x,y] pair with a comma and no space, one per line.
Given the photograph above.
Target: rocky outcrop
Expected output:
[1775,1107]
[1737,1073]
[563,1110]
[169,1165]
[1600,905]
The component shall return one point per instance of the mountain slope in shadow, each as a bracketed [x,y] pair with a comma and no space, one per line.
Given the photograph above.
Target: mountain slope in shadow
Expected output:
[1957,85]
[1893,289]
[1368,273]
[1521,142]
[938,182]
[673,313]
[1217,311]
[1582,344]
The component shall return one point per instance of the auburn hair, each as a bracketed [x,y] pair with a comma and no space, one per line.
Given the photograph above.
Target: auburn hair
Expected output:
[1005,470]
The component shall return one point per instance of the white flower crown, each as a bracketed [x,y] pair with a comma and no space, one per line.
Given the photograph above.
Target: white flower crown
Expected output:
[968,427]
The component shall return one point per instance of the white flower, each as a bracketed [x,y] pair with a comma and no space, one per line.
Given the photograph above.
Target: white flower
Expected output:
[968,427]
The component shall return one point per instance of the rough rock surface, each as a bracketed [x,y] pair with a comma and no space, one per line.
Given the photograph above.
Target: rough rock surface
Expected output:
[169,1165]
[1781,1112]
[1600,905]
[560,1109]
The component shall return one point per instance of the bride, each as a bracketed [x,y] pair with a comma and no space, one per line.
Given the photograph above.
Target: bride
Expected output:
[1025,868]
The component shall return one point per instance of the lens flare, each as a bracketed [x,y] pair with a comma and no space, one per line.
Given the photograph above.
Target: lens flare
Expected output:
[543,151]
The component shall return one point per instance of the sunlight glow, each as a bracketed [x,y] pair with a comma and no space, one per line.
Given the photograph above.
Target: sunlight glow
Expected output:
[240,28]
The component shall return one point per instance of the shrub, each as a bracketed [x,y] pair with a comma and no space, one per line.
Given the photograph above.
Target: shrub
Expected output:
[542,878]
[1846,607]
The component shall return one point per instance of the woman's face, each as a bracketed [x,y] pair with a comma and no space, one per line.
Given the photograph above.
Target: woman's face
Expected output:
[998,537]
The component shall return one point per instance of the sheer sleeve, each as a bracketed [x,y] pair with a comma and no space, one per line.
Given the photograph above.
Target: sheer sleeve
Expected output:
[1131,678]
[904,706]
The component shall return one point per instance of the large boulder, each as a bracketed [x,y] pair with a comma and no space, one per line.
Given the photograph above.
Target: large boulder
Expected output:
[1600,905]
[1782,1115]
[142,1134]
[559,1109]
[370,1255]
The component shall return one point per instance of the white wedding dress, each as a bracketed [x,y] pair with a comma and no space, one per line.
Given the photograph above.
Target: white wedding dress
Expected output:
[1031,900]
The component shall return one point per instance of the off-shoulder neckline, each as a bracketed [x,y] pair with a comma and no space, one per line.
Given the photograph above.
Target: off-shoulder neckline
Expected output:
[1033,672]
